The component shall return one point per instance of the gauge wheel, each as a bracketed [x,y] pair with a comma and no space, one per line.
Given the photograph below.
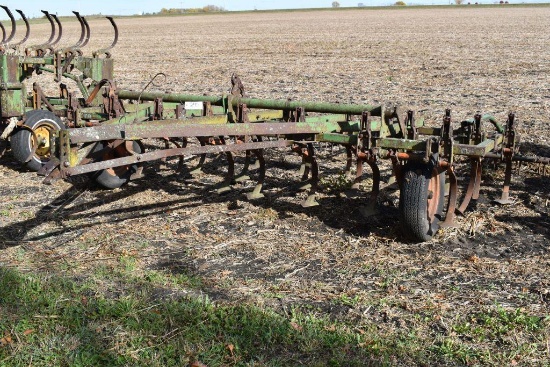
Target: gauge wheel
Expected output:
[421,200]
[44,124]
[115,177]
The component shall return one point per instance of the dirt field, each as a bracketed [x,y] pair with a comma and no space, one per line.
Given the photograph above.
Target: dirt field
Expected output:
[327,260]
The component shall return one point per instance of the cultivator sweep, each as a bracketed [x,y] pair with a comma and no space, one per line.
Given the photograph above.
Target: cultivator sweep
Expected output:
[102,131]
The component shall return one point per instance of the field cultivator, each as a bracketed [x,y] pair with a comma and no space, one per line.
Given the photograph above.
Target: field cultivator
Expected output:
[102,131]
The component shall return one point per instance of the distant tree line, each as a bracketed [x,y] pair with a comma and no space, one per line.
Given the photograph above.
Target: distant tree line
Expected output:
[205,9]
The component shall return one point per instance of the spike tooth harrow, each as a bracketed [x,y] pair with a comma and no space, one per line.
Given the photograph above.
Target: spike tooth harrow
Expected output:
[102,135]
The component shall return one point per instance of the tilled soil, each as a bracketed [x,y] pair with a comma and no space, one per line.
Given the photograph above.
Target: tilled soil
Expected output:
[328,259]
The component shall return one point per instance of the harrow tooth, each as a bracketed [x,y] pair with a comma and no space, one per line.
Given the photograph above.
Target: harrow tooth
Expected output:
[39,49]
[181,160]
[472,192]
[48,43]
[504,201]
[231,168]
[304,170]
[373,198]
[87,37]
[313,183]
[358,174]
[113,44]
[257,192]
[167,142]
[230,178]
[355,190]
[451,200]
[13,25]
[308,168]
[392,181]
[254,165]
[305,166]
[53,176]
[138,174]
[447,189]
[60,29]
[505,197]
[82,31]
[48,167]
[224,189]
[197,170]
[310,201]
[3,32]
[242,178]
[27,28]
[349,159]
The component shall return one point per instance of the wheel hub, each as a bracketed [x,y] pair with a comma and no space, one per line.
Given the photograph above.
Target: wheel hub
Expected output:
[43,134]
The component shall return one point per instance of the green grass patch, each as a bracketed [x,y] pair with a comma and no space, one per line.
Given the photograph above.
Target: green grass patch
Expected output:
[518,335]
[120,315]
[53,321]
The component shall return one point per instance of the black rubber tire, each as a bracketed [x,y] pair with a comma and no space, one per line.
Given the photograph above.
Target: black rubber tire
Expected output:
[413,201]
[21,140]
[113,179]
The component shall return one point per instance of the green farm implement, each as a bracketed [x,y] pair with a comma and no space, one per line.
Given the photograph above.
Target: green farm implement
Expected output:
[105,132]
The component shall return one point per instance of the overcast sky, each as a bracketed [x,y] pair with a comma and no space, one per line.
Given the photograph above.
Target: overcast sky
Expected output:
[128,7]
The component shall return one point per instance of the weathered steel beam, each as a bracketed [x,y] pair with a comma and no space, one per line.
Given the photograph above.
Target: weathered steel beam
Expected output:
[179,128]
[142,110]
[37,60]
[402,144]
[337,138]
[479,150]
[158,154]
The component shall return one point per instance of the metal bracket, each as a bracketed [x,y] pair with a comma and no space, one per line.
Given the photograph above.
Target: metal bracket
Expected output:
[64,148]
[476,134]
[242,116]
[411,125]
[158,109]
[365,135]
[300,115]
[447,138]
[39,97]
[207,109]
[72,109]
[180,112]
